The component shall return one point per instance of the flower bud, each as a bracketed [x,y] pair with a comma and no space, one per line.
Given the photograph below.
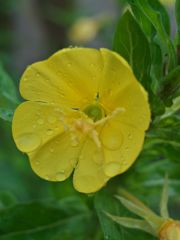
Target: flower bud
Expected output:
[170,231]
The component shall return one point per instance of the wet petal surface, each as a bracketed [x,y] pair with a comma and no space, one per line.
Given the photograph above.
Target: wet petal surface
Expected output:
[56,159]
[36,123]
[89,176]
[68,78]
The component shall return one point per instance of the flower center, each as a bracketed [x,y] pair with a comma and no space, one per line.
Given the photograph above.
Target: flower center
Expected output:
[94,111]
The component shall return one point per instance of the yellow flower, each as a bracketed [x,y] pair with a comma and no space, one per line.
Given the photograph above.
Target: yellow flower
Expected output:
[85,111]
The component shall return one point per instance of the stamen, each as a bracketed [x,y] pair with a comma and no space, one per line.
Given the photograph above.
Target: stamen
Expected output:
[95,137]
[112,115]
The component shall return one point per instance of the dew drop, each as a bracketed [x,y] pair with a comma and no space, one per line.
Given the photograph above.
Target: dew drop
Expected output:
[49,132]
[52,119]
[40,121]
[61,176]
[86,182]
[127,149]
[25,79]
[111,137]
[111,169]
[37,162]
[129,135]
[69,64]
[47,177]
[124,163]
[28,142]
[56,128]
[57,109]
[51,149]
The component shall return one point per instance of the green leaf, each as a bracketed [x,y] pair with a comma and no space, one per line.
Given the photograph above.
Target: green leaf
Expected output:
[131,43]
[156,72]
[42,220]
[7,200]
[132,223]
[134,200]
[105,202]
[170,88]
[6,114]
[8,96]
[144,22]
[154,220]
[157,24]
[177,8]
[164,200]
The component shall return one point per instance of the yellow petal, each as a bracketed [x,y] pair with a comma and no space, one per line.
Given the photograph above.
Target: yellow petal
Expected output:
[134,101]
[122,144]
[68,78]
[119,88]
[116,75]
[89,176]
[55,160]
[34,124]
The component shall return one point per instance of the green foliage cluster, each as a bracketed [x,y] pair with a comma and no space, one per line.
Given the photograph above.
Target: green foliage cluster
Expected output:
[33,209]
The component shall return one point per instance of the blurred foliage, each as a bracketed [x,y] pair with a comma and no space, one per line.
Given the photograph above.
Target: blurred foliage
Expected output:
[34,209]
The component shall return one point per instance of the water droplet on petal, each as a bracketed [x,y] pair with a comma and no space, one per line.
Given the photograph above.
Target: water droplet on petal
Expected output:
[28,142]
[40,121]
[124,163]
[129,135]
[111,169]
[37,162]
[47,177]
[25,79]
[57,109]
[69,64]
[49,132]
[52,119]
[86,182]
[61,176]
[51,149]
[111,137]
